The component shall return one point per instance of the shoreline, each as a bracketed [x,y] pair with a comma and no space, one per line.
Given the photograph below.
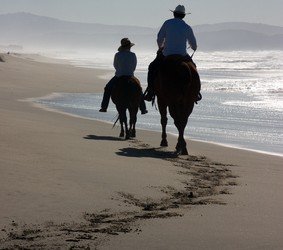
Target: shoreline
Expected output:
[71,182]
[44,107]
[53,95]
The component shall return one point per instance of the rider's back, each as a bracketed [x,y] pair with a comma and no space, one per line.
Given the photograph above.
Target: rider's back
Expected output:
[176,34]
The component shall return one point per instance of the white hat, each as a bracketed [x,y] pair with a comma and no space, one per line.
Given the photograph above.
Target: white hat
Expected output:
[180,9]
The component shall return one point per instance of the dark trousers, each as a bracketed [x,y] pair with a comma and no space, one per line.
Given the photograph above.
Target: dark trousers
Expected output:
[107,94]
[153,69]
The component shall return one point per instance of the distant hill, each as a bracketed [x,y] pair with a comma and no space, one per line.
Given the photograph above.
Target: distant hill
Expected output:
[32,31]
[252,27]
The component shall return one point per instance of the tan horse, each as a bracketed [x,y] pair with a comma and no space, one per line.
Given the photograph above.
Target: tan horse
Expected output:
[126,95]
[176,87]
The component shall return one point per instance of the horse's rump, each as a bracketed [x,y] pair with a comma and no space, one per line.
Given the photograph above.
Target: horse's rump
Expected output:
[177,77]
[127,90]
[174,77]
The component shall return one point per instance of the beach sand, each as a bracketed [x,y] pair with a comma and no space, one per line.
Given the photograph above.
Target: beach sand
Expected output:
[71,183]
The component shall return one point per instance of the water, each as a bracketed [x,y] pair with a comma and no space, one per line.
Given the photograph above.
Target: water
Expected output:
[242,99]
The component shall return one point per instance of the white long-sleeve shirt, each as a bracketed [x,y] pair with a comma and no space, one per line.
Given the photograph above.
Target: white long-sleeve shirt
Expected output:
[174,35]
[125,63]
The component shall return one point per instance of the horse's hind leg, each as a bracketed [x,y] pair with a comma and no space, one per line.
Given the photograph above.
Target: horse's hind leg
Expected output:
[127,131]
[181,147]
[133,121]
[122,132]
[127,135]
[180,121]
[163,112]
[123,122]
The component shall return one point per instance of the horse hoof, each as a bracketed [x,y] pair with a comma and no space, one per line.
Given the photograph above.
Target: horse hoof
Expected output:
[180,151]
[121,135]
[164,143]
[133,135]
[184,152]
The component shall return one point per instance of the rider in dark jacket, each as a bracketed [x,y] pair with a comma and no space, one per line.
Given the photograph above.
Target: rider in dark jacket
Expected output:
[125,63]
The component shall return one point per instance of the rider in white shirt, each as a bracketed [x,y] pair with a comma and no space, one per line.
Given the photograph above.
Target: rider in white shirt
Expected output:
[173,38]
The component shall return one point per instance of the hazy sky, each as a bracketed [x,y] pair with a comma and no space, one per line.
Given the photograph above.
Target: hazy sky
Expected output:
[150,13]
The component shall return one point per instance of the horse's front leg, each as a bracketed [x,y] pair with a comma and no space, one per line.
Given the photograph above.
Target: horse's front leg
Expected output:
[163,113]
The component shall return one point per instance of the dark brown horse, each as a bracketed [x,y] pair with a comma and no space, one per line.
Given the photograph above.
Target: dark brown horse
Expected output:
[126,95]
[176,87]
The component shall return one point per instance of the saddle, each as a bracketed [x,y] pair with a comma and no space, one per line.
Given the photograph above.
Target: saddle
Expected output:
[179,59]
[128,79]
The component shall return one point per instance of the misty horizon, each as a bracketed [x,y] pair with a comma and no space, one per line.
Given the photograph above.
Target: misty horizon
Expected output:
[40,32]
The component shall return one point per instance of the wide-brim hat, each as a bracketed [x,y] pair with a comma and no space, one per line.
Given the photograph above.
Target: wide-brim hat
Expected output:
[180,9]
[125,44]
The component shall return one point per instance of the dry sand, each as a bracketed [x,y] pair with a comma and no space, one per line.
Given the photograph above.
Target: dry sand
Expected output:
[71,183]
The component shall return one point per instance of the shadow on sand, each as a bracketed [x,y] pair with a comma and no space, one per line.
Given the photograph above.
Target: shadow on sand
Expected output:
[139,152]
[146,152]
[102,138]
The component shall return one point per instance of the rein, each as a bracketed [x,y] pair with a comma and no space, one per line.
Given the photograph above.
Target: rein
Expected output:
[193,52]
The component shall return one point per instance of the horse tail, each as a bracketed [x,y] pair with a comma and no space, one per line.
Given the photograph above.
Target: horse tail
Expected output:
[118,117]
[134,91]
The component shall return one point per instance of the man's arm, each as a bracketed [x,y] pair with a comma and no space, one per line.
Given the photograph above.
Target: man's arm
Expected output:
[134,62]
[115,62]
[161,36]
[191,38]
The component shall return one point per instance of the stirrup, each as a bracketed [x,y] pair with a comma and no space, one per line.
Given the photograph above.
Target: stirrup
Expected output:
[199,97]
[148,95]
